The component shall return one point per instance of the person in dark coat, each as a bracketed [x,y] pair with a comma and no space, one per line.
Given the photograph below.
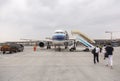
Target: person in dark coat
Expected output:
[109,51]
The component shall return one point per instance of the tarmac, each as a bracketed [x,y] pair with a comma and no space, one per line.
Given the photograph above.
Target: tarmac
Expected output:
[51,65]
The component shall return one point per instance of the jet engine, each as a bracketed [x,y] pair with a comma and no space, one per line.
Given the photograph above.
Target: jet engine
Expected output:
[42,44]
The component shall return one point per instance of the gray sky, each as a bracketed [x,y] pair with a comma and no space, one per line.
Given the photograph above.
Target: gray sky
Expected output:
[37,19]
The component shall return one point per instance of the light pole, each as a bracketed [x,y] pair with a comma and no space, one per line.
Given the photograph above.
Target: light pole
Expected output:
[110,34]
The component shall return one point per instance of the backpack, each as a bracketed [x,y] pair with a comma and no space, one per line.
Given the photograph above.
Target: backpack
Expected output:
[93,51]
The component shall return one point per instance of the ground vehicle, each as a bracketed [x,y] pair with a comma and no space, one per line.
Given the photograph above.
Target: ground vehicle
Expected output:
[21,48]
[12,47]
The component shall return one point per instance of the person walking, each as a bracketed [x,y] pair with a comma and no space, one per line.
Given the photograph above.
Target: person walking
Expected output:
[109,51]
[96,54]
[35,47]
[104,52]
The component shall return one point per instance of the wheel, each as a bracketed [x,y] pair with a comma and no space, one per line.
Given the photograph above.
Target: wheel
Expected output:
[59,49]
[72,49]
[48,47]
[66,47]
[3,52]
[10,52]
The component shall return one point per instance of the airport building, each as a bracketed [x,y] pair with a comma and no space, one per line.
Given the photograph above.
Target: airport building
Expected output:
[115,42]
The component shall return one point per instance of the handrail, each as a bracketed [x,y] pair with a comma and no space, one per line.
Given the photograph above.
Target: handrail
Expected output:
[83,36]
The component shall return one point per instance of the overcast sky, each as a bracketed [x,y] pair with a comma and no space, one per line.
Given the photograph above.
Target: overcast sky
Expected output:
[37,19]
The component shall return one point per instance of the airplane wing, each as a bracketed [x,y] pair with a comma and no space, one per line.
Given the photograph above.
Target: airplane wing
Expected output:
[61,38]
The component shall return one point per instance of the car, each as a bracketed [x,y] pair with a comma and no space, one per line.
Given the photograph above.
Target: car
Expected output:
[20,47]
[12,48]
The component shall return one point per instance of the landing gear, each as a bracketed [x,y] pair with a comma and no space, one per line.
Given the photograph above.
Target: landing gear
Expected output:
[48,47]
[59,49]
[66,47]
[73,47]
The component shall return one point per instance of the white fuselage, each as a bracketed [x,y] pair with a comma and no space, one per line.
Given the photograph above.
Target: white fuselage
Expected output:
[59,37]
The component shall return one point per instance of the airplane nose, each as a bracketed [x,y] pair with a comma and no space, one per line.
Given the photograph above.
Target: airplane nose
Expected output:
[58,37]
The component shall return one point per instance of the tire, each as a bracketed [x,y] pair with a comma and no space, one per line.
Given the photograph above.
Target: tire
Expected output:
[72,49]
[3,52]
[59,49]
[10,52]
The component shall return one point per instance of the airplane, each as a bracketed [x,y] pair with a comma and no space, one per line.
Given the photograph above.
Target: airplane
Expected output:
[58,39]
[61,38]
